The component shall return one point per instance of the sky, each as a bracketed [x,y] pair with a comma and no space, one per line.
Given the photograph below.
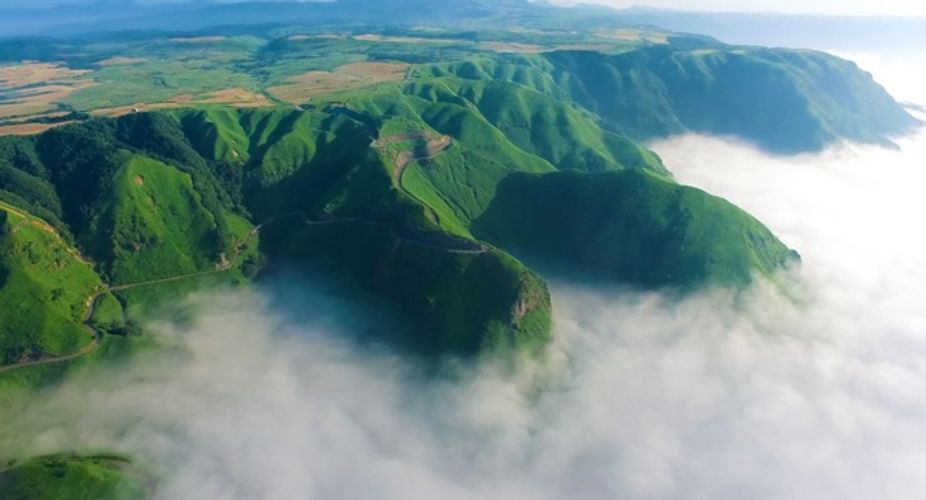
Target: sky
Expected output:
[831,7]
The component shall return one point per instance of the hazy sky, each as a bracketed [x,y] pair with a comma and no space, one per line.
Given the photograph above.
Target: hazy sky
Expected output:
[848,7]
[851,7]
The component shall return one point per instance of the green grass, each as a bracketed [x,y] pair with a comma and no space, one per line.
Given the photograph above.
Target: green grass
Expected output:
[65,477]
[158,80]
[217,134]
[630,227]
[808,99]
[108,316]
[43,291]
[461,303]
[146,302]
[519,98]
[156,223]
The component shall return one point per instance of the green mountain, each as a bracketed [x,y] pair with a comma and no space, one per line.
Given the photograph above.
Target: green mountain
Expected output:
[629,227]
[44,288]
[432,192]
[786,101]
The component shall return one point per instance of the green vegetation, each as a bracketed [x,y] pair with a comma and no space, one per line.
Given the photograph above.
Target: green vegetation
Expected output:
[108,315]
[785,101]
[526,141]
[631,227]
[462,301]
[64,477]
[518,96]
[286,162]
[155,221]
[44,288]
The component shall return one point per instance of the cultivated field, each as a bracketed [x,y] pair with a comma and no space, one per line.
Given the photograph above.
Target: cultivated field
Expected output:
[235,97]
[33,88]
[301,88]
[512,47]
[120,61]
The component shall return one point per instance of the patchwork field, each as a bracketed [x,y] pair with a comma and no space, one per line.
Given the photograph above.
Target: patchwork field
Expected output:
[29,128]
[198,39]
[635,35]
[32,88]
[353,76]
[513,47]
[235,97]
[137,73]
[369,37]
[29,73]
[120,61]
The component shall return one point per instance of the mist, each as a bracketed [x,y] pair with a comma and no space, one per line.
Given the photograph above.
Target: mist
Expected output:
[807,386]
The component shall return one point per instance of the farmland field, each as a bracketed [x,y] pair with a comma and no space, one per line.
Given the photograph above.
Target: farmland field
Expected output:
[157,72]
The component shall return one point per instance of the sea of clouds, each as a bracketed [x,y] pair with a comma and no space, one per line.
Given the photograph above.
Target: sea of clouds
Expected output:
[812,387]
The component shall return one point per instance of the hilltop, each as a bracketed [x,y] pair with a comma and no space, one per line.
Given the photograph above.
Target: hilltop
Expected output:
[430,184]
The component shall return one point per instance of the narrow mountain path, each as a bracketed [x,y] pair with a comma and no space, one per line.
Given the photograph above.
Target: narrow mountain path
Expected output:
[433,149]
[434,145]
[47,228]
[459,246]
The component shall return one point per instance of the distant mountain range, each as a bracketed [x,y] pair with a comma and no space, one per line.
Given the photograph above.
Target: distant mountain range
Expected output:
[81,17]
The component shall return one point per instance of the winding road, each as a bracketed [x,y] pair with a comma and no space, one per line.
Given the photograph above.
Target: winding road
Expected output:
[434,145]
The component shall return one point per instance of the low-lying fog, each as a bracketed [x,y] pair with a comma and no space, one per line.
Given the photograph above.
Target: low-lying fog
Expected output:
[813,394]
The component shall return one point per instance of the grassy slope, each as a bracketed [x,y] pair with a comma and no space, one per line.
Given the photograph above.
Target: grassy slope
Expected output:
[61,477]
[322,165]
[461,302]
[505,115]
[43,291]
[155,221]
[463,177]
[783,100]
[518,96]
[632,227]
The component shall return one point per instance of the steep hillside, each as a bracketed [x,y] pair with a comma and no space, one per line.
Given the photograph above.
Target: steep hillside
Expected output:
[323,192]
[629,227]
[518,97]
[44,289]
[785,101]
[464,297]
[154,221]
